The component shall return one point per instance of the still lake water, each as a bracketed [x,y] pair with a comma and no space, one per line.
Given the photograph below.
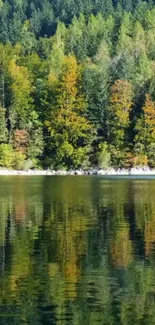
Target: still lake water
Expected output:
[77,250]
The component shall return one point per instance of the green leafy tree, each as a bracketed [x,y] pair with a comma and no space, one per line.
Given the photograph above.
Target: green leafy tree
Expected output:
[69,129]
[145,131]
[119,110]
[21,101]
[3,127]
[6,155]
[104,158]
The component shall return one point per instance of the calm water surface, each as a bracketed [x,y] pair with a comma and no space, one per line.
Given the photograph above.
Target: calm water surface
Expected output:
[77,250]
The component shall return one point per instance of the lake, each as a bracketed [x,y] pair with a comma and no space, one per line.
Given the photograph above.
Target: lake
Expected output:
[77,250]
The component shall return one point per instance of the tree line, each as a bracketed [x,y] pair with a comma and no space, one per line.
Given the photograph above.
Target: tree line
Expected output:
[79,91]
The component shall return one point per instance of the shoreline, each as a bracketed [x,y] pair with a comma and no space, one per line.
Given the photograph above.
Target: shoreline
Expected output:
[135,171]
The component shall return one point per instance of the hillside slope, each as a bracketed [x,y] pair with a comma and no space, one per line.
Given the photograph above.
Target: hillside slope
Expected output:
[77,83]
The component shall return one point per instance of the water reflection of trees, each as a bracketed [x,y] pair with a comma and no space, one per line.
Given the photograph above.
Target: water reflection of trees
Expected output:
[77,253]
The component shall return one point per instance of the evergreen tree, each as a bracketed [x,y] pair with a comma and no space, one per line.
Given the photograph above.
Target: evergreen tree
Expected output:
[3,126]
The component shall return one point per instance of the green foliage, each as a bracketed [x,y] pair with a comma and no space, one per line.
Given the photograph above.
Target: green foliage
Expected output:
[119,110]
[69,129]
[117,156]
[18,160]
[36,144]
[140,160]
[104,157]
[145,131]
[3,128]
[74,75]
[6,155]
[21,99]
[32,163]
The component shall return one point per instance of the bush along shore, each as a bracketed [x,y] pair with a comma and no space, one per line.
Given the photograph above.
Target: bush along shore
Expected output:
[137,171]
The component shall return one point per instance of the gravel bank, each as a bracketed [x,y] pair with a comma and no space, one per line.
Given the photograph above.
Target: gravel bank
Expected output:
[102,172]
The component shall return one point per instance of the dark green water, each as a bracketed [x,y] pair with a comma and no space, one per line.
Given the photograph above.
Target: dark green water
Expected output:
[77,250]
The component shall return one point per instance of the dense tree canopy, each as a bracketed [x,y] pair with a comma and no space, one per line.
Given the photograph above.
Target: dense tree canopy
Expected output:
[77,85]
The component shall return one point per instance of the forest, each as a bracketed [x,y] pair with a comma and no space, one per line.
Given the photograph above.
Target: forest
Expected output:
[77,83]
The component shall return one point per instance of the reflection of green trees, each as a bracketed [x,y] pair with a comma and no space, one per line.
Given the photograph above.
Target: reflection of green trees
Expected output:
[70,251]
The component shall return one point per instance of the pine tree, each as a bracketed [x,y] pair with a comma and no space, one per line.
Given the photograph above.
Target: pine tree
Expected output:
[3,127]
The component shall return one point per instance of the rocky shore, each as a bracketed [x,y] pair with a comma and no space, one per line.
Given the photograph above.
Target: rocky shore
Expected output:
[136,171]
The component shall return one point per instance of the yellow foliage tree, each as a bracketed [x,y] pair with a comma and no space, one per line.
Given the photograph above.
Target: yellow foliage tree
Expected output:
[21,87]
[145,127]
[70,130]
[149,114]
[121,102]
[119,119]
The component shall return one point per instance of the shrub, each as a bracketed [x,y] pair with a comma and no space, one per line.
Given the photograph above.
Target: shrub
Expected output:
[104,157]
[19,160]
[128,160]
[6,155]
[32,163]
[140,160]
[151,155]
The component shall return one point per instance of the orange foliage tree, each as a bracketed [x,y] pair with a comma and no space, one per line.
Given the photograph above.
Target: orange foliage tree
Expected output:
[21,140]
